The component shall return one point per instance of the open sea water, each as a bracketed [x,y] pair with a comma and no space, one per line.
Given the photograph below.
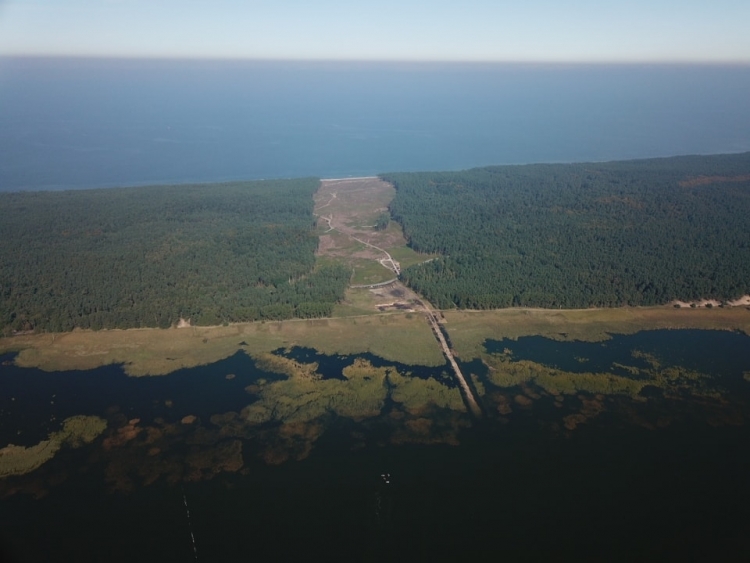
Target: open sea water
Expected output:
[80,123]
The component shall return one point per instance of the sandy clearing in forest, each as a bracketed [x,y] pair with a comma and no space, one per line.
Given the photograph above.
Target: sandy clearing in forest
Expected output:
[350,206]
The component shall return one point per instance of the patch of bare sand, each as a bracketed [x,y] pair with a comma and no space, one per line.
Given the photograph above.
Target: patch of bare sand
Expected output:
[744,300]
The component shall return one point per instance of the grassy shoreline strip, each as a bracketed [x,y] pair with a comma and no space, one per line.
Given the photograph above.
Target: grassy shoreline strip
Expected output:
[396,337]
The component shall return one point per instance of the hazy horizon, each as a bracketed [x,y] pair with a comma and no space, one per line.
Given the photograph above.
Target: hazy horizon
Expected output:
[388,30]
[395,62]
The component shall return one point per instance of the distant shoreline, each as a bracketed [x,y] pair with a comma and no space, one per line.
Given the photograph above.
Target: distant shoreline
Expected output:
[156,183]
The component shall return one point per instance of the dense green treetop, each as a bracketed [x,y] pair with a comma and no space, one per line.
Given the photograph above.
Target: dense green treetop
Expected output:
[147,256]
[639,232]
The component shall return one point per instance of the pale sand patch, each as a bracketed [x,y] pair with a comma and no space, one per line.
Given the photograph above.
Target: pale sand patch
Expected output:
[744,300]
[184,323]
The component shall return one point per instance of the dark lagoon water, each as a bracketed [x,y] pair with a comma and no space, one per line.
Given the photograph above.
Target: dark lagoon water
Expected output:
[724,354]
[331,366]
[74,123]
[656,476]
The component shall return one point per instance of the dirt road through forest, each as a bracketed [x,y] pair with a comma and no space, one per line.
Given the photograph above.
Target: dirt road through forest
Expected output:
[349,208]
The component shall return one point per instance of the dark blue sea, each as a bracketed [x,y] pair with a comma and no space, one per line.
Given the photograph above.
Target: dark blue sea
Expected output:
[77,123]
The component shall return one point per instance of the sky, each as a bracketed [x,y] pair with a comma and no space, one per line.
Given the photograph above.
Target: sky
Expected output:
[439,30]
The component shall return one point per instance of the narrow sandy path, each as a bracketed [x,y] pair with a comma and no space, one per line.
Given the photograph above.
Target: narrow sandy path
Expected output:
[383,261]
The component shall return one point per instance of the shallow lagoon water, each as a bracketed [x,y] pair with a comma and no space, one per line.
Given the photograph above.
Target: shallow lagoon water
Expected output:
[719,352]
[31,398]
[724,354]
[649,478]
[331,366]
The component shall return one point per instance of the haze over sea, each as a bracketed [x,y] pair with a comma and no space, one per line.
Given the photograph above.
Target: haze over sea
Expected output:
[79,123]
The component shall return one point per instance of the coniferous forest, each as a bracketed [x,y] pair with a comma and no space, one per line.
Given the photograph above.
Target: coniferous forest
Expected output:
[148,256]
[640,232]
[562,235]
